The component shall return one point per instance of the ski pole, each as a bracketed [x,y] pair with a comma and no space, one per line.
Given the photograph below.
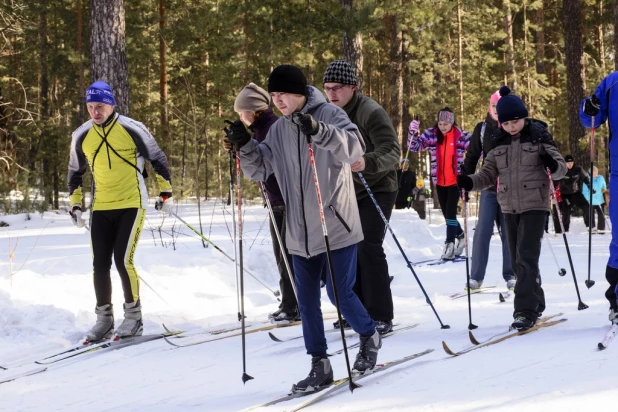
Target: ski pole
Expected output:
[581,305]
[245,377]
[276,293]
[590,283]
[464,207]
[279,240]
[561,271]
[231,158]
[375,202]
[351,383]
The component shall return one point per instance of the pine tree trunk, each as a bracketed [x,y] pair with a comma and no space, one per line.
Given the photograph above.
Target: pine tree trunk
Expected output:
[510,52]
[395,74]
[574,50]
[108,55]
[352,49]
[163,79]
[540,40]
[460,64]
[80,50]
[615,34]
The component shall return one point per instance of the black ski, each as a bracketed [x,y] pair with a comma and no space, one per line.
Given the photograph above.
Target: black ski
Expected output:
[337,384]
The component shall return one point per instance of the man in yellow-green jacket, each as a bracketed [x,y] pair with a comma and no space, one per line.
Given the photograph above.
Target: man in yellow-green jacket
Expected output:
[115,148]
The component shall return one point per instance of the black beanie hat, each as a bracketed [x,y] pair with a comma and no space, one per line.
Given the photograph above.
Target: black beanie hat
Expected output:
[568,158]
[287,79]
[510,107]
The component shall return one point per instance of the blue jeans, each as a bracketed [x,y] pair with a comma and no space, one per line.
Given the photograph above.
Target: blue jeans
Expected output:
[307,277]
[488,213]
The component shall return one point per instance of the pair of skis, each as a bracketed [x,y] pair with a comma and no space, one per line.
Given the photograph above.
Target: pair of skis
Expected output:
[435,262]
[502,336]
[502,296]
[338,384]
[41,365]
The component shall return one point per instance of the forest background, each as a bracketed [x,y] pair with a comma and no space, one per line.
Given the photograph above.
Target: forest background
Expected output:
[177,66]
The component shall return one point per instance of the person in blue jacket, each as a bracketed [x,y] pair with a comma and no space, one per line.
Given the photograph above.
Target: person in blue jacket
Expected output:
[598,188]
[602,107]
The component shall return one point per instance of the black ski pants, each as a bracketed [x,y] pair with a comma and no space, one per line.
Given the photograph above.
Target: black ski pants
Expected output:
[448,196]
[373,286]
[115,233]
[524,232]
[601,217]
[288,299]
[611,274]
[573,200]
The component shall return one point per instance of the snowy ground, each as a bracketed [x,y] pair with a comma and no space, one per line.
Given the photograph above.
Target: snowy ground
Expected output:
[48,302]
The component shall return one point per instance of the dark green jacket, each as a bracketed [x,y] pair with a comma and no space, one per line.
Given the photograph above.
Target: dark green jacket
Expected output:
[383,150]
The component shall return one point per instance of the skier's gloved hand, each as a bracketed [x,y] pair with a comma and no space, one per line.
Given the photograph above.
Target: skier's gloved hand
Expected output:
[76,216]
[238,134]
[464,182]
[592,105]
[414,127]
[164,203]
[308,125]
[548,160]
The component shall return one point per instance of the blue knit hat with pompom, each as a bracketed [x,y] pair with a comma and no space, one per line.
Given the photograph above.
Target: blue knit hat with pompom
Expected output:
[510,107]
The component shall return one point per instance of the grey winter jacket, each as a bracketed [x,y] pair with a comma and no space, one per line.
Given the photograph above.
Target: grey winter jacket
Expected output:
[516,165]
[285,153]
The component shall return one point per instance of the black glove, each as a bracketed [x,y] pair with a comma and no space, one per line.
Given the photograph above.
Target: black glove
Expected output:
[237,134]
[592,105]
[464,182]
[548,160]
[308,125]
[227,145]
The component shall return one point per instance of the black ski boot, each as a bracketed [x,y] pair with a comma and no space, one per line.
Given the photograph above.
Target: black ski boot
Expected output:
[522,323]
[285,316]
[320,375]
[346,325]
[368,353]
[384,326]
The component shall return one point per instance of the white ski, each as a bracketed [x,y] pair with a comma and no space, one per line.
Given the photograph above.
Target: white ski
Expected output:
[609,336]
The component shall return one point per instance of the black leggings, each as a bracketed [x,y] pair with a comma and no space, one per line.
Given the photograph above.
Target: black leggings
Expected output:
[448,196]
[115,232]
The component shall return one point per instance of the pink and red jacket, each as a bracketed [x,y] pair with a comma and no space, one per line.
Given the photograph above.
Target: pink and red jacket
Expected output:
[429,140]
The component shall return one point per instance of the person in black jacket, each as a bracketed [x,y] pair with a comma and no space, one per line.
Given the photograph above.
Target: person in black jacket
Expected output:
[481,143]
[571,191]
[405,180]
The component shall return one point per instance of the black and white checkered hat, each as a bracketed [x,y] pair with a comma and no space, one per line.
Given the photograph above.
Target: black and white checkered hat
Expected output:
[340,71]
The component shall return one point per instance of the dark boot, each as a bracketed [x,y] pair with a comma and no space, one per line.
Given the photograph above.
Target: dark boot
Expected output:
[320,375]
[522,323]
[368,353]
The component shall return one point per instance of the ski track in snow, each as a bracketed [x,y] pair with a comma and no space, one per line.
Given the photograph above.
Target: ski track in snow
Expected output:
[50,304]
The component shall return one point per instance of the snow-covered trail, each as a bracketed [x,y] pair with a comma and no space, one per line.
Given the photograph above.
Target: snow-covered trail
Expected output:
[50,304]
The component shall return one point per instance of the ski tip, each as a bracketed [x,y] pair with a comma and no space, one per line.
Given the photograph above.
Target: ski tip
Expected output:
[601,346]
[473,339]
[246,378]
[447,349]
[273,337]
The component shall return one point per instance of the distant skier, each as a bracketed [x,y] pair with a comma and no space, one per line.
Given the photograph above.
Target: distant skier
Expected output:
[571,192]
[418,198]
[405,182]
[447,144]
[337,144]
[523,148]
[115,148]
[598,187]
[603,106]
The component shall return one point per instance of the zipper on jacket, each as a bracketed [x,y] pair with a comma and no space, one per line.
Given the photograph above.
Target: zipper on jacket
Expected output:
[302,196]
[338,216]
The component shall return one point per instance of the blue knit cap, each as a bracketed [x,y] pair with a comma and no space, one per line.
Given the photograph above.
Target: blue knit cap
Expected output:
[100,92]
[510,107]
